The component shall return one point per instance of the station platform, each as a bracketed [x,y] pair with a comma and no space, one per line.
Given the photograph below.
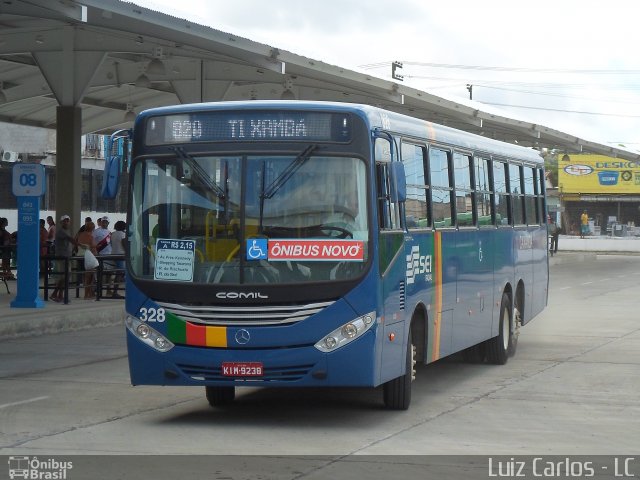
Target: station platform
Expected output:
[55,317]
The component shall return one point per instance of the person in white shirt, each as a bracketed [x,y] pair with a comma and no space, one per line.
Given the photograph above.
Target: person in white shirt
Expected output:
[102,239]
[102,236]
[117,248]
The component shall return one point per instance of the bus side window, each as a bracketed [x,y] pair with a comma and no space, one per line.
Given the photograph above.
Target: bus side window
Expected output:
[441,190]
[464,189]
[501,197]
[540,191]
[517,197]
[416,207]
[484,214]
[530,196]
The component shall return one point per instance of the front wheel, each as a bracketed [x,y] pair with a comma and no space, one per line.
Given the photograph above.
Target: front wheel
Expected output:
[498,348]
[397,392]
[220,396]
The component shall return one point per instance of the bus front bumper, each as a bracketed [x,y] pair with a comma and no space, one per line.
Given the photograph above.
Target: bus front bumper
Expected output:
[352,365]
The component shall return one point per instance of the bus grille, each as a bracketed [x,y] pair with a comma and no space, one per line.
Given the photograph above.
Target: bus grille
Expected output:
[245,315]
[281,374]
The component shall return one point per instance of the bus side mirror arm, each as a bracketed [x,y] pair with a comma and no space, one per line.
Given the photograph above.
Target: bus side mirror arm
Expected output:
[398,178]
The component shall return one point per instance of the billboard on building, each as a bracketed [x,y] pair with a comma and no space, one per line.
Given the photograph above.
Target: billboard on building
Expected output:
[598,174]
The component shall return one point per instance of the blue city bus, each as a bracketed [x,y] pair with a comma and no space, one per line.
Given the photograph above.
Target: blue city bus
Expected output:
[319,244]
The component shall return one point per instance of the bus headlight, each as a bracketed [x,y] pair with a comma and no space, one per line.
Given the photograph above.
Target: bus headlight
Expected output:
[346,333]
[148,335]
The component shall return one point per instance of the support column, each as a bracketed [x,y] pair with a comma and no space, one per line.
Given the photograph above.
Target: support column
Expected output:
[69,164]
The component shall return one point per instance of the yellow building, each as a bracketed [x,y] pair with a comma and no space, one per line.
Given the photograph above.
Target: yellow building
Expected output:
[607,188]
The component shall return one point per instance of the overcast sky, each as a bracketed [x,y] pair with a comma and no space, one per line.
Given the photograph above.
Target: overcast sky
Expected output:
[571,65]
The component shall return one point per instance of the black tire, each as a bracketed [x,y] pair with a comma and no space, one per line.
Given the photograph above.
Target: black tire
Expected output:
[516,323]
[474,354]
[220,396]
[397,392]
[498,347]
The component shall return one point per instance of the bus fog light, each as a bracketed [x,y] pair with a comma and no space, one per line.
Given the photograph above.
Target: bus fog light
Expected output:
[349,330]
[148,335]
[346,333]
[330,342]
[143,330]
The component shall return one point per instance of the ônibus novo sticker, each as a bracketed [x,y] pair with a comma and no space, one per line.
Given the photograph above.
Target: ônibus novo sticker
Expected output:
[316,250]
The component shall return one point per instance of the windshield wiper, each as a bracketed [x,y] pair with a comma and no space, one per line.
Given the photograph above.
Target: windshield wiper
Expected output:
[287,173]
[283,178]
[200,172]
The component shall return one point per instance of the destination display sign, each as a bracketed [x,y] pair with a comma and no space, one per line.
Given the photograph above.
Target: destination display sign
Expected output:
[238,126]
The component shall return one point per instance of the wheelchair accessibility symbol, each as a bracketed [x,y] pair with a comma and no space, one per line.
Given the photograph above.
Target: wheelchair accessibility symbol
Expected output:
[257,249]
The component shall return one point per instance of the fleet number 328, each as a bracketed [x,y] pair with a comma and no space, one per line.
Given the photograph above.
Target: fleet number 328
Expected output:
[152,314]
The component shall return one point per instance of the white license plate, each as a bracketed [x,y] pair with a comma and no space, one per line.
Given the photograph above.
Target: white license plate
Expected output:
[242,369]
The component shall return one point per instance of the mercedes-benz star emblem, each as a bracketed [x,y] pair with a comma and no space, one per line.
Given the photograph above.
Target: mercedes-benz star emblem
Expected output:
[242,336]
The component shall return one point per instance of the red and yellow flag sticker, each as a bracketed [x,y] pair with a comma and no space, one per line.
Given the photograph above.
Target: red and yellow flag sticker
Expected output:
[181,332]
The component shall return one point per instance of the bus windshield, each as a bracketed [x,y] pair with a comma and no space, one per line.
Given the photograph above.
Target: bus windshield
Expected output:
[201,219]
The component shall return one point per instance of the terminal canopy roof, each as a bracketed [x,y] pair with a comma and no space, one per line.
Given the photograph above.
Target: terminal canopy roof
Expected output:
[109,56]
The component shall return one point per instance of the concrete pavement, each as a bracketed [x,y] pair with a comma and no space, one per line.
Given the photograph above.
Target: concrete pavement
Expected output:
[55,317]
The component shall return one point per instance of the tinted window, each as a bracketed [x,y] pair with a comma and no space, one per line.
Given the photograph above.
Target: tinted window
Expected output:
[464,192]
[413,157]
[441,190]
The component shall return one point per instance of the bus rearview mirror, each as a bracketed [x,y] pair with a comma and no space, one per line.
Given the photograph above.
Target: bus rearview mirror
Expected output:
[398,183]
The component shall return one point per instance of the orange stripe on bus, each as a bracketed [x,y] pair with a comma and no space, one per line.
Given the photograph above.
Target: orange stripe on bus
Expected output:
[437,243]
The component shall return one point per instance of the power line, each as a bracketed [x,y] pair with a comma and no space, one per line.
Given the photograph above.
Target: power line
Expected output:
[577,71]
[561,110]
[487,83]
[549,94]
[502,85]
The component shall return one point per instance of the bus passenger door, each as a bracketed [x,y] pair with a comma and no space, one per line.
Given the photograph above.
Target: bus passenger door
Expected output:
[391,264]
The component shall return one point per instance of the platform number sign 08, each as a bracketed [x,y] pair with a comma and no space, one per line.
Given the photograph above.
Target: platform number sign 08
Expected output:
[28,180]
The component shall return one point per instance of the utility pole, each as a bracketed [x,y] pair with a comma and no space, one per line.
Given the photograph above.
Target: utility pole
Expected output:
[470,88]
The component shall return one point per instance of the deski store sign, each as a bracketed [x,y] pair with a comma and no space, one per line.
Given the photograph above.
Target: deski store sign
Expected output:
[598,174]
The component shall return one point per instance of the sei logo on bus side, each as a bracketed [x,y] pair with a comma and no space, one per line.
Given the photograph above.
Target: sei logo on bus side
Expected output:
[418,265]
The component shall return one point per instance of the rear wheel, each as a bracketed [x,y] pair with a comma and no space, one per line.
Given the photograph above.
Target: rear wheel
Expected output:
[220,396]
[497,348]
[517,323]
[474,354]
[397,392]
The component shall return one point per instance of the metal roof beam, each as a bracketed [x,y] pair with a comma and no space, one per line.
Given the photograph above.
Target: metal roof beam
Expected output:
[69,72]
[46,9]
